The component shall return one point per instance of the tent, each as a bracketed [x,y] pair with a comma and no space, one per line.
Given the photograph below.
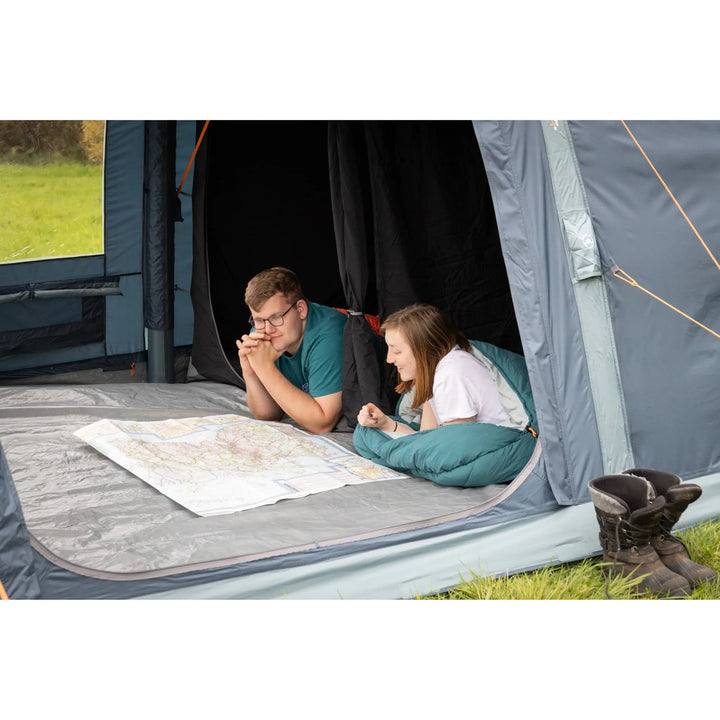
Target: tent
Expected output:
[521,231]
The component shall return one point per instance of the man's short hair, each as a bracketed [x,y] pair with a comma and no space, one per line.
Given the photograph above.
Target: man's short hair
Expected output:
[271,281]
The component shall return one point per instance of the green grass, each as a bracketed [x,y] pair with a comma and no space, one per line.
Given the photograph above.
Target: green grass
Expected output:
[51,210]
[585,580]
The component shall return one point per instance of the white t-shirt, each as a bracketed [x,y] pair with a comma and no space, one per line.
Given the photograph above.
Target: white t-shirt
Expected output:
[463,388]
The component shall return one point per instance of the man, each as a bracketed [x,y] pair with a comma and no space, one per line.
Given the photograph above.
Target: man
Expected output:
[292,358]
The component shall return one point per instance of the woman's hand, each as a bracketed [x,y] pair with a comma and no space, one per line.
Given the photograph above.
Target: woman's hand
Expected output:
[372,416]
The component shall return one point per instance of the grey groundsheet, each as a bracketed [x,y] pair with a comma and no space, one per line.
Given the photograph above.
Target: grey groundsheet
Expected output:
[88,514]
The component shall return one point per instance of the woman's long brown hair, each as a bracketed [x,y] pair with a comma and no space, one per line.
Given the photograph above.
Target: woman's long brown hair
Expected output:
[431,336]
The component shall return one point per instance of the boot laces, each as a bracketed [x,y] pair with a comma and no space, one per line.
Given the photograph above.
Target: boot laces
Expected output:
[665,534]
[635,536]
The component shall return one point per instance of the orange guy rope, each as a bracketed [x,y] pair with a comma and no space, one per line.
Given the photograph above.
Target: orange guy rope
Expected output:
[622,275]
[192,158]
[697,234]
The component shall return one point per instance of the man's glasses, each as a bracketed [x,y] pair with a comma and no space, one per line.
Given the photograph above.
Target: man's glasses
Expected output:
[274,320]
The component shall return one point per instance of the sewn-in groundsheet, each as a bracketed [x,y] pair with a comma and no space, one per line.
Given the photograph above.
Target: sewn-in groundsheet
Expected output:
[95,518]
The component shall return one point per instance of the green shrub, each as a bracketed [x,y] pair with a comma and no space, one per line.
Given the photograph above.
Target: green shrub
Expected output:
[93,140]
[37,142]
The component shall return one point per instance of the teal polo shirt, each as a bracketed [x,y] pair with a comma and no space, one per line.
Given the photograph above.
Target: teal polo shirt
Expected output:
[316,367]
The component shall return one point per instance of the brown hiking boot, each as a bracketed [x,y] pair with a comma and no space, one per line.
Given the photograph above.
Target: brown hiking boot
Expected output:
[628,513]
[671,549]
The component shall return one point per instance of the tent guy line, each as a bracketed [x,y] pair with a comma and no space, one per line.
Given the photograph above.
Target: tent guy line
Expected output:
[622,275]
[679,207]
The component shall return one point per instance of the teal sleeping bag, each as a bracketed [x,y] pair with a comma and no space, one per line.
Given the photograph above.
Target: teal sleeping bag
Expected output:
[467,454]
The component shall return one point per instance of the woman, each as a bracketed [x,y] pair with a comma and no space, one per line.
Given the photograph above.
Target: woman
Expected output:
[433,358]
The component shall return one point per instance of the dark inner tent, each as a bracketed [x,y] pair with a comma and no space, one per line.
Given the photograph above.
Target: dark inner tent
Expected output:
[376,215]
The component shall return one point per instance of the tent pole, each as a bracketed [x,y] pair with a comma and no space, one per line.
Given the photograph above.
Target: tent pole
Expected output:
[160,349]
[159,215]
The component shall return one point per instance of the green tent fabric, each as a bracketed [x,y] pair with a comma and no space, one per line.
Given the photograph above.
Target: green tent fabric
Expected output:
[468,454]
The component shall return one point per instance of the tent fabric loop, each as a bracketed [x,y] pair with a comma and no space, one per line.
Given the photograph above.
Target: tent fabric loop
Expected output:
[372,320]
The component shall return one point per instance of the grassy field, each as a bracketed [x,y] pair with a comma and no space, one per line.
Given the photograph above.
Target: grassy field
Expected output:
[586,580]
[50,210]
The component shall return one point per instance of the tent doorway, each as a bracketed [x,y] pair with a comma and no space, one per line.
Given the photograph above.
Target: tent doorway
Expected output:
[418,222]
